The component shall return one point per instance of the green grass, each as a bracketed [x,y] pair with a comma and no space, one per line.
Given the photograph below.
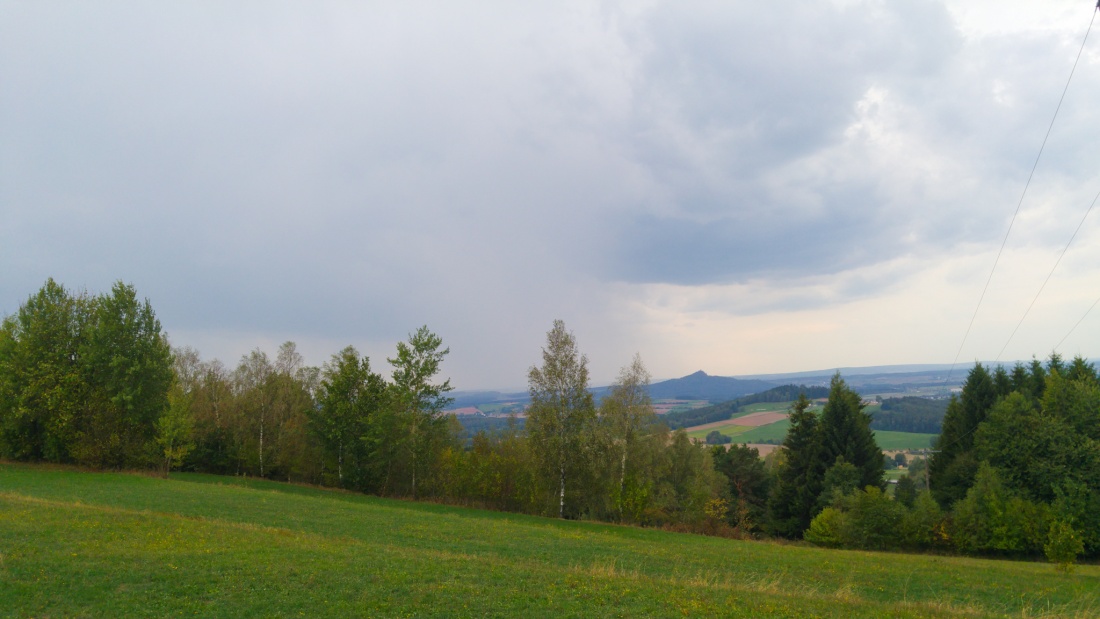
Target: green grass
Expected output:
[774,432]
[903,440]
[777,431]
[114,545]
[733,431]
[497,407]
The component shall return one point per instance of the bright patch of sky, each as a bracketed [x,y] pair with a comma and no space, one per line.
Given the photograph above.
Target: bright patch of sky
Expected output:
[742,187]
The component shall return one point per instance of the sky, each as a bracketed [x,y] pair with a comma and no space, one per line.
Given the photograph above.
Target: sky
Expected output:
[741,187]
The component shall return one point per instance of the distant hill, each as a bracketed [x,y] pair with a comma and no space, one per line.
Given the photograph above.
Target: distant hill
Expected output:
[702,386]
[462,399]
[697,386]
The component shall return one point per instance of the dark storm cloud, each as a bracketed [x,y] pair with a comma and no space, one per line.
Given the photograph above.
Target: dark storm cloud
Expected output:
[732,100]
[729,95]
[349,172]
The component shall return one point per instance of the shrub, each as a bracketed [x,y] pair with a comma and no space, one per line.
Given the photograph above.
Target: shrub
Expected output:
[829,528]
[714,437]
[874,519]
[1063,545]
[924,525]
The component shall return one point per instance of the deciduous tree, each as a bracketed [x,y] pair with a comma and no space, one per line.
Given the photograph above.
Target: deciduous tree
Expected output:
[420,400]
[561,416]
[127,366]
[628,418]
[349,398]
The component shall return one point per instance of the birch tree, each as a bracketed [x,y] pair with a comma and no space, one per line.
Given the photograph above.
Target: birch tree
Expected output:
[254,385]
[419,400]
[627,415]
[561,416]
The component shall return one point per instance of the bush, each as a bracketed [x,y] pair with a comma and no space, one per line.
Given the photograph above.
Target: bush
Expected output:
[874,519]
[991,519]
[829,528]
[1063,545]
[924,525]
[714,437]
[906,491]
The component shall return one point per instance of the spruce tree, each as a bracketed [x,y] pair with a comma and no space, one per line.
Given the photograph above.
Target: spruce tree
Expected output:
[792,505]
[846,433]
[953,466]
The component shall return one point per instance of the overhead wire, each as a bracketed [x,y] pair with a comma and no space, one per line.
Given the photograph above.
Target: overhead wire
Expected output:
[1078,323]
[1035,165]
[1052,269]
[1023,194]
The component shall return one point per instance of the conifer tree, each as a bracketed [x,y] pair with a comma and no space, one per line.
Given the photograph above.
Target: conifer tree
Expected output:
[846,433]
[791,506]
[953,466]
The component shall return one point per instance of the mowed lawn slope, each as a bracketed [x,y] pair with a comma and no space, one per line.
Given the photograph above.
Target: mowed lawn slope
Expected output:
[111,545]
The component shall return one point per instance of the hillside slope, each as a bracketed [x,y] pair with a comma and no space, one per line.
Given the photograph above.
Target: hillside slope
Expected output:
[99,544]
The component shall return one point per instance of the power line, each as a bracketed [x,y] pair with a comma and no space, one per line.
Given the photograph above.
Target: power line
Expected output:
[1056,263]
[1094,303]
[1022,195]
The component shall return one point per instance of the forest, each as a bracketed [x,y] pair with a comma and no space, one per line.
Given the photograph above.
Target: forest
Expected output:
[93,381]
[910,414]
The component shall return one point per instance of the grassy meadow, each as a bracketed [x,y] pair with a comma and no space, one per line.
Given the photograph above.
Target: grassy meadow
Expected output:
[112,545]
[891,441]
[771,433]
[733,431]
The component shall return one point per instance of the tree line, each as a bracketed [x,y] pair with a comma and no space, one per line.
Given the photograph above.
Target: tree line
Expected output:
[92,381]
[910,414]
[1015,472]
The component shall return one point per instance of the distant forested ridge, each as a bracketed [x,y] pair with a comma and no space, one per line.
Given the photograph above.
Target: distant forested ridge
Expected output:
[701,386]
[473,424]
[910,414]
[723,411]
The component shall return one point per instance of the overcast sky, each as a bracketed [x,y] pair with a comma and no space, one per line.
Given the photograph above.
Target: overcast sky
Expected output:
[740,186]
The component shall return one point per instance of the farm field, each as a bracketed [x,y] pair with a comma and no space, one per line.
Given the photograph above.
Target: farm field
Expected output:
[903,440]
[743,422]
[728,429]
[739,424]
[108,544]
[771,433]
[776,432]
[766,423]
[665,406]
